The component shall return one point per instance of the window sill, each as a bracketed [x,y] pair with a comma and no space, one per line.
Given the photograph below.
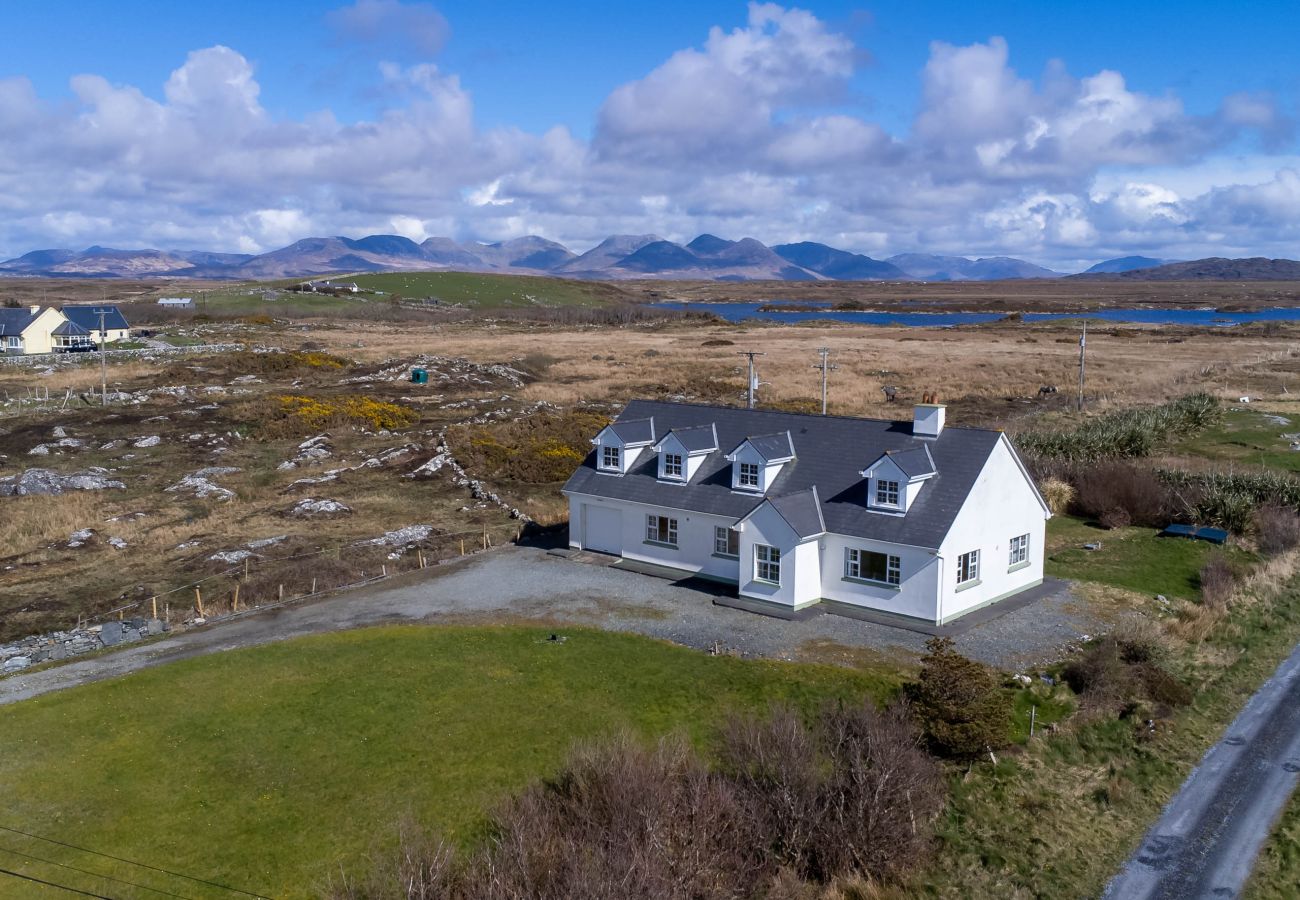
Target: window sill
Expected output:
[766,582]
[967,585]
[870,582]
[735,556]
[1018,566]
[663,544]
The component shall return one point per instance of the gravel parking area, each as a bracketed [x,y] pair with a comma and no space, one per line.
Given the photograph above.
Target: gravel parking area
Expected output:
[515,584]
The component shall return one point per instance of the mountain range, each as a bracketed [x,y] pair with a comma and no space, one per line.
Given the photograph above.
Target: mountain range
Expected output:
[623,256]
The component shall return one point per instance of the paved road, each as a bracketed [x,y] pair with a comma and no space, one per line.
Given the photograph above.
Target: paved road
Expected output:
[1208,837]
[525,584]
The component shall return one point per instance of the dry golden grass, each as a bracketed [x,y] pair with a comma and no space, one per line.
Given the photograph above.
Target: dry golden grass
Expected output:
[29,522]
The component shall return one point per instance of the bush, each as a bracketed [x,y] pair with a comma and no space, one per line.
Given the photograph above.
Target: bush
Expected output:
[1057,494]
[425,867]
[1125,433]
[540,449]
[1119,494]
[1229,499]
[853,794]
[1277,528]
[1218,580]
[958,703]
[1118,671]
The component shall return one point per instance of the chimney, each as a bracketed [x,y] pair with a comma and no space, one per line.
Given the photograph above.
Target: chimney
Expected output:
[928,417]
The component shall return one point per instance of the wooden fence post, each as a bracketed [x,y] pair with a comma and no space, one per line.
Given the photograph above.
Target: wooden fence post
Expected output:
[281,593]
[198,603]
[234,603]
[313,585]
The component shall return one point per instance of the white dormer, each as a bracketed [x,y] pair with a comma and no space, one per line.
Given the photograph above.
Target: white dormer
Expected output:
[895,479]
[682,451]
[620,444]
[757,461]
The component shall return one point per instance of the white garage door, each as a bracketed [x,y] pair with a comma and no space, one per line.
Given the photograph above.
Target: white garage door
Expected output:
[603,530]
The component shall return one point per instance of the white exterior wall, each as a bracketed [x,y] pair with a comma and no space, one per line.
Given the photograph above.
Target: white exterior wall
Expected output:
[695,533]
[915,596]
[1001,505]
[800,570]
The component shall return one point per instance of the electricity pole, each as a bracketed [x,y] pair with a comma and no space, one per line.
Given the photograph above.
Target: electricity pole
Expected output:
[1083,346]
[825,366]
[753,377]
[103,366]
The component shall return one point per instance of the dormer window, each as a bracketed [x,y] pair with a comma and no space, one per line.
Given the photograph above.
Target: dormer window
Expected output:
[886,492]
[683,450]
[748,476]
[672,465]
[609,458]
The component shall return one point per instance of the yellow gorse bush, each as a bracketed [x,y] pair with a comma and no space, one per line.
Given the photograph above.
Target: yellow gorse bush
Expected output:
[361,411]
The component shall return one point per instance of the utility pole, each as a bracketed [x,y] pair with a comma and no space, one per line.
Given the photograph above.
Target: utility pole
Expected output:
[826,367]
[753,377]
[1083,346]
[103,365]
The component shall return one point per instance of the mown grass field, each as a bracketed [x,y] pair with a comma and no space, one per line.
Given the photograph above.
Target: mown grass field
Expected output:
[1136,559]
[267,768]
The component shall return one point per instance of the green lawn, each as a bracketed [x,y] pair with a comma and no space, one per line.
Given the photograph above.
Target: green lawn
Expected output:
[1246,437]
[266,767]
[1133,558]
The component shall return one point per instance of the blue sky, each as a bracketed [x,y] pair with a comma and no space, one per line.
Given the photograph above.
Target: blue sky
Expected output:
[572,120]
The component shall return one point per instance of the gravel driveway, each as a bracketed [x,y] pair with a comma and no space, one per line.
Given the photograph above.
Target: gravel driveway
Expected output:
[519,584]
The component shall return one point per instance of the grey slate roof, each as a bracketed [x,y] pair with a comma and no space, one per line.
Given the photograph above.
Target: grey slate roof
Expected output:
[696,438]
[771,447]
[634,431]
[830,453]
[915,462]
[802,512]
[88,318]
[70,329]
[13,321]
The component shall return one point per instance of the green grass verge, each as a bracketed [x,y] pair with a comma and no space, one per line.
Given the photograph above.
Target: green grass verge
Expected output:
[267,768]
[1136,559]
[1245,437]
[1060,819]
[1278,872]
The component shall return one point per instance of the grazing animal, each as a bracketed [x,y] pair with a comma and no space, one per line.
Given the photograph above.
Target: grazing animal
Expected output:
[1046,389]
[891,393]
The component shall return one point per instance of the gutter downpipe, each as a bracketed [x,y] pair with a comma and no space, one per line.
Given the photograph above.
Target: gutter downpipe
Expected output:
[939,621]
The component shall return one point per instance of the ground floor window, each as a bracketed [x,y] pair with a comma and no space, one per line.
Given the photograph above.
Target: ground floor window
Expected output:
[968,567]
[726,542]
[1019,550]
[767,563]
[872,566]
[661,530]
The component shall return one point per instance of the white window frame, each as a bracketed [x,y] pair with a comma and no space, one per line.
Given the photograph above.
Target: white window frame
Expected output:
[661,530]
[853,566]
[749,476]
[885,488]
[724,539]
[607,452]
[15,341]
[1019,550]
[968,567]
[674,466]
[767,563]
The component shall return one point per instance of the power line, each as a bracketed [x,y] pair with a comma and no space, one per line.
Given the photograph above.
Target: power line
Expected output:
[132,862]
[54,862]
[54,884]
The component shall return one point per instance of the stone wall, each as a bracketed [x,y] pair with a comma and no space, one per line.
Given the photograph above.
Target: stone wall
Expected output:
[62,644]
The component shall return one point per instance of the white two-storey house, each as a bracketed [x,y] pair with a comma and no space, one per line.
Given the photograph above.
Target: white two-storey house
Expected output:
[913,520]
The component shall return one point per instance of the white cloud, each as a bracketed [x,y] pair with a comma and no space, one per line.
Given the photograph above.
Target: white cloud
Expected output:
[753,132]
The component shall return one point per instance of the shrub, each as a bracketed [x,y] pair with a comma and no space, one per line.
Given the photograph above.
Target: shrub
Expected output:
[1277,528]
[1229,499]
[1119,494]
[540,449]
[1218,580]
[1118,671]
[425,867]
[853,794]
[1115,517]
[351,409]
[1058,495]
[1124,433]
[958,703]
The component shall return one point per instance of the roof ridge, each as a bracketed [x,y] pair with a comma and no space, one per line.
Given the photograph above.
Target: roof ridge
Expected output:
[802,415]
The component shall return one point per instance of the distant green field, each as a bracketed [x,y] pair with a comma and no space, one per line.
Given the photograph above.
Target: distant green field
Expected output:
[1247,437]
[490,291]
[265,768]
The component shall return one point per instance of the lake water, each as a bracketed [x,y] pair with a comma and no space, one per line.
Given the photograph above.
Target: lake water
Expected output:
[816,309]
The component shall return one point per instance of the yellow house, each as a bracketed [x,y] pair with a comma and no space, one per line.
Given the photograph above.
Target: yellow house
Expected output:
[29,329]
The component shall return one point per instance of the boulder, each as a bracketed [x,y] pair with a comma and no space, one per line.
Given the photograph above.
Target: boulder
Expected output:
[311,508]
[43,481]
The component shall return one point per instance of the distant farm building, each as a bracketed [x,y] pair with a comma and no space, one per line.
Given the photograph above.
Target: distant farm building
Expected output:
[176,302]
